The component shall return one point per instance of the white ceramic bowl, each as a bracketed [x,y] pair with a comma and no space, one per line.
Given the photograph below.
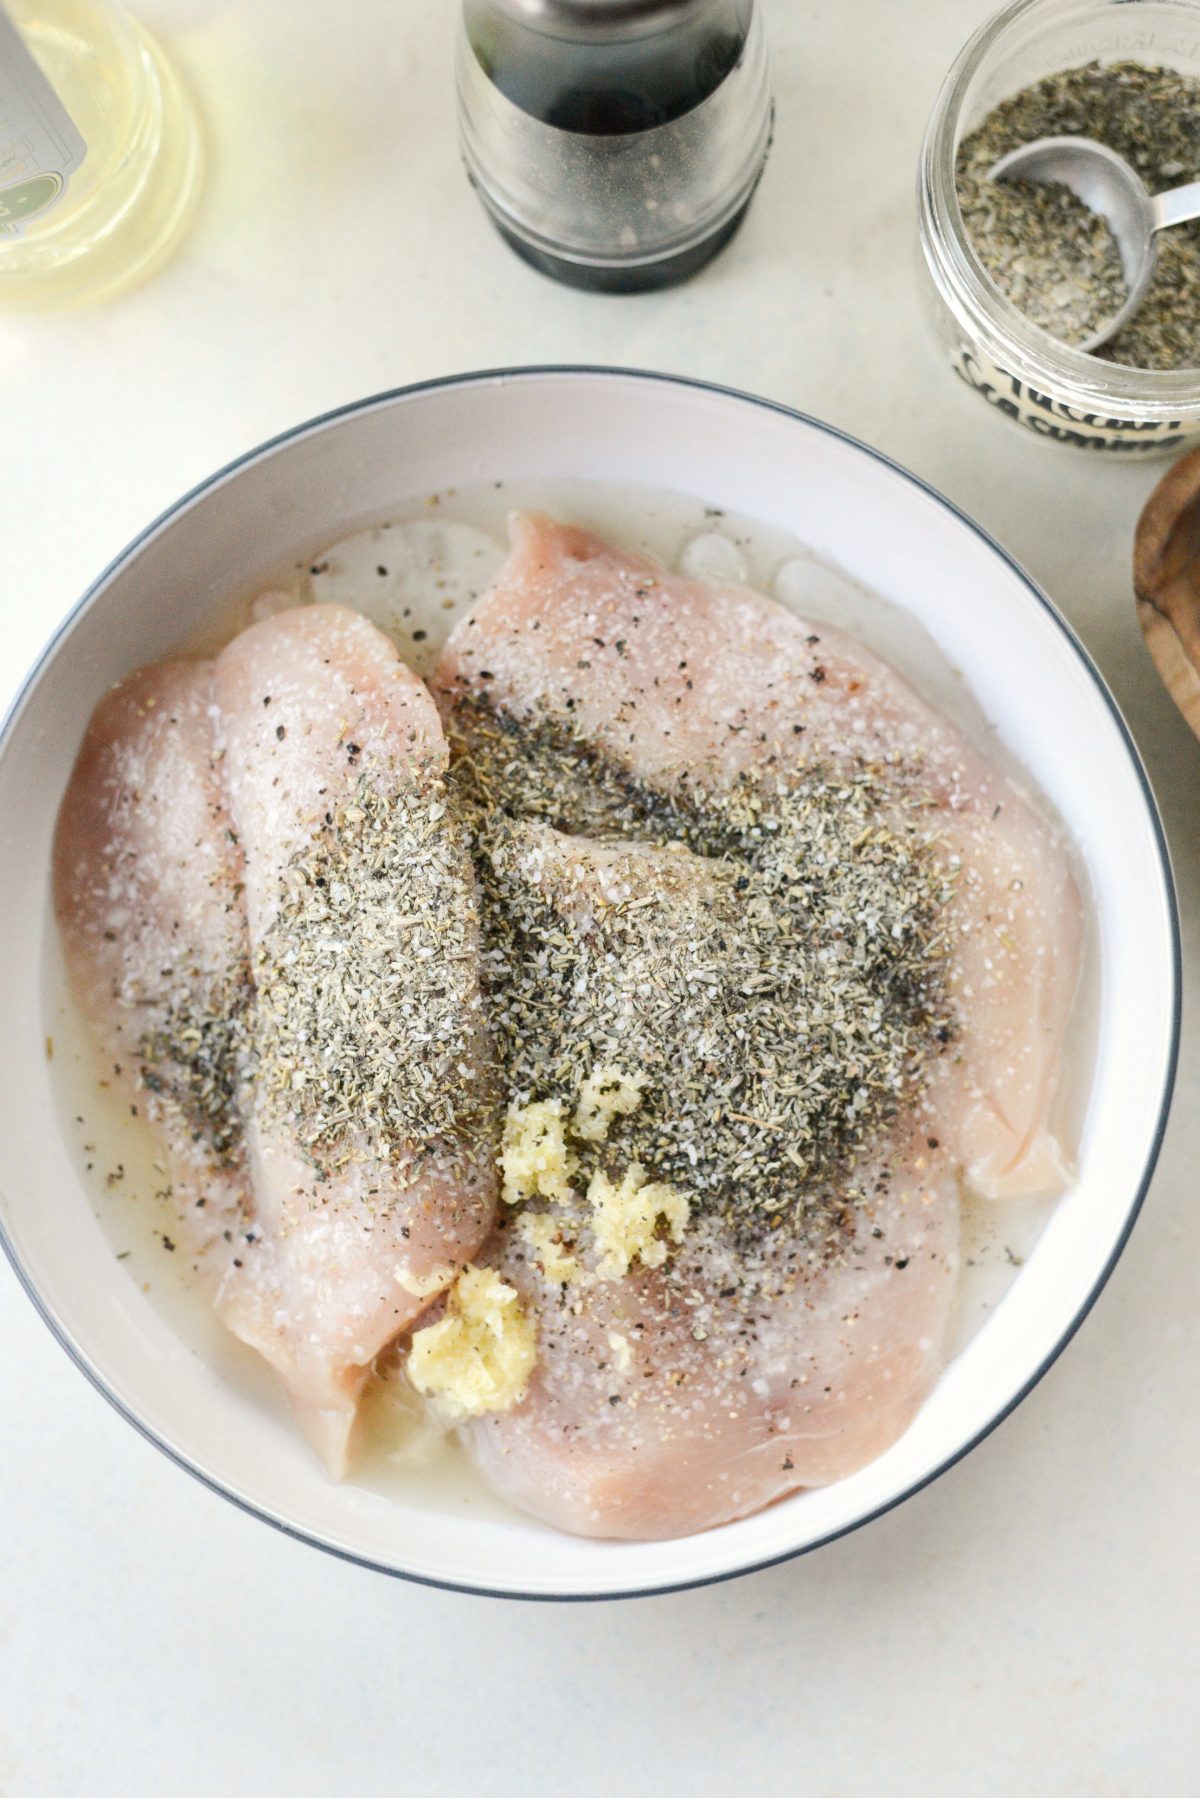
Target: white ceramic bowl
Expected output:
[851,506]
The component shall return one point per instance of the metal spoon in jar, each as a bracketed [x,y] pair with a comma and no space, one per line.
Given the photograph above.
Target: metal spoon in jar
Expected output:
[1106,184]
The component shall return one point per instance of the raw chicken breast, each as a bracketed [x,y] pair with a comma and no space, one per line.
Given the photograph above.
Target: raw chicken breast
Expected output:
[792,1335]
[147,876]
[254,856]
[684,688]
[361,906]
[792,782]
[679,1398]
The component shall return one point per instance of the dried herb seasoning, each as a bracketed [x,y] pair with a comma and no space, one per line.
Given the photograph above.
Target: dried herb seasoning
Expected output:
[366,1019]
[1051,256]
[770,956]
[357,1022]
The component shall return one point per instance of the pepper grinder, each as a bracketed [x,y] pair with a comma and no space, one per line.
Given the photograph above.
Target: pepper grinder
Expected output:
[616,144]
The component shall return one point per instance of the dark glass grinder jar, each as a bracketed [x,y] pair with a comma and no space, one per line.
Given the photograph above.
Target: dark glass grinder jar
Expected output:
[615,143]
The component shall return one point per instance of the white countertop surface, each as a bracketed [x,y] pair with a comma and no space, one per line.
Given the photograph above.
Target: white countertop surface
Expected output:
[1028,1625]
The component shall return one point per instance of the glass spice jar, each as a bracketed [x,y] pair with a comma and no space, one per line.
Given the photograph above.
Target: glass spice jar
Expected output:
[616,144]
[1047,387]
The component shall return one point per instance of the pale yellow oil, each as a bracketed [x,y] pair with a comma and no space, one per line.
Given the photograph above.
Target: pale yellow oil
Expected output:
[128,202]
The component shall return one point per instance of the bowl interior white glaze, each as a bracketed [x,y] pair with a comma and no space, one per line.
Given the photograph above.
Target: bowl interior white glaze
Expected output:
[852,508]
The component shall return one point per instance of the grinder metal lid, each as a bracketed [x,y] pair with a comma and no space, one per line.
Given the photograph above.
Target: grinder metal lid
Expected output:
[599,18]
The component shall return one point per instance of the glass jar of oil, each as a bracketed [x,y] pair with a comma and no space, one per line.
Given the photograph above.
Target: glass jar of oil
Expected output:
[99,153]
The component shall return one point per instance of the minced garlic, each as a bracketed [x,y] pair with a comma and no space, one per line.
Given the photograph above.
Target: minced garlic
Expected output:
[545,1238]
[535,1159]
[607,1093]
[423,1286]
[479,1356]
[625,1220]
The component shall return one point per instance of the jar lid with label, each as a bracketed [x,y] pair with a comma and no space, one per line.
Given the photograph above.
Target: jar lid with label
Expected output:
[615,143]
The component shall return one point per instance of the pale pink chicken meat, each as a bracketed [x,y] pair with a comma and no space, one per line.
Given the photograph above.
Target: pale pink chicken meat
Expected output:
[318,714]
[658,701]
[264,886]
[688,686]
[753,1361]
[212,811]
[147,876]
[664,1407]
